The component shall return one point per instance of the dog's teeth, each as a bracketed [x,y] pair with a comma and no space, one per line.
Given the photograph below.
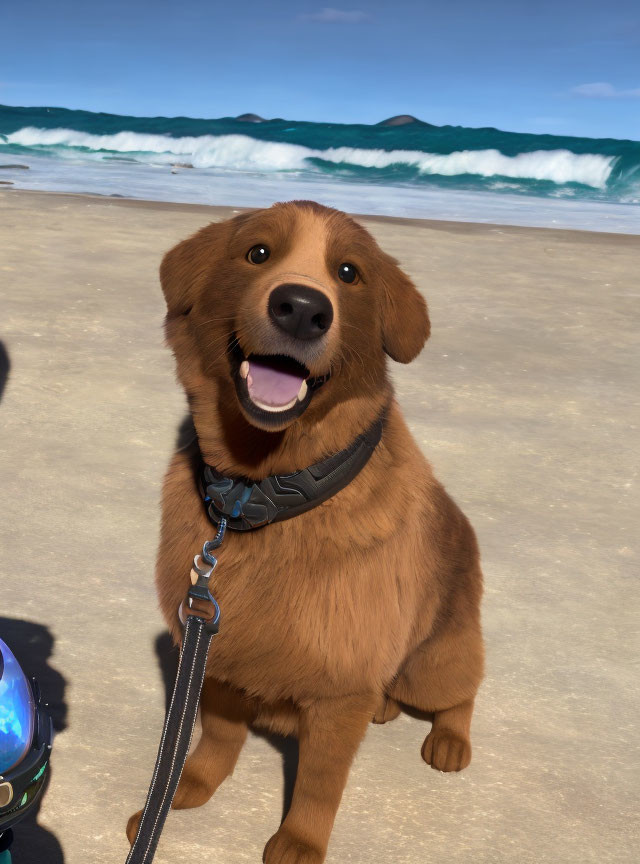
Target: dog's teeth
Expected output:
[302,392]
[274,409]
[244,368]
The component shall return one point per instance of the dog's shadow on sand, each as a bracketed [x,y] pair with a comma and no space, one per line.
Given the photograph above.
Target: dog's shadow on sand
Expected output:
[168,655]
[5,367]
[32,644]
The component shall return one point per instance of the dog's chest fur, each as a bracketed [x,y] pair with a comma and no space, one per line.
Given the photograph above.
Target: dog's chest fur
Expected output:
[306,610]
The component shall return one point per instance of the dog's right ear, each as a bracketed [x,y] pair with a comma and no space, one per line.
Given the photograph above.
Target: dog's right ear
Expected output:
[405,324]
[186,268]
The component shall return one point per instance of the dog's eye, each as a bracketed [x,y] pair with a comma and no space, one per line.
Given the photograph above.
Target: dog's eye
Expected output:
[258,254]
[348,273]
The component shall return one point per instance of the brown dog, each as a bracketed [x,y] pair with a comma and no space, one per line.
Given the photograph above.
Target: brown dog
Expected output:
[280,320]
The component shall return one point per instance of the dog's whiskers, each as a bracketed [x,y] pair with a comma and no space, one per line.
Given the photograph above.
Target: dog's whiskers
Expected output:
[352,351]
[217,318]
[354,327]
[231,345]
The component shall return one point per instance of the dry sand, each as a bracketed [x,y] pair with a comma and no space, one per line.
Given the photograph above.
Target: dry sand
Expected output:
[526,402]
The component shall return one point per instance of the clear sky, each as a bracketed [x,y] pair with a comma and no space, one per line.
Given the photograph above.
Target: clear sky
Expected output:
[566,67]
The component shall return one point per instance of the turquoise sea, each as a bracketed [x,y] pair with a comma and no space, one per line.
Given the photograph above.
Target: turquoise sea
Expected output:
[414,169]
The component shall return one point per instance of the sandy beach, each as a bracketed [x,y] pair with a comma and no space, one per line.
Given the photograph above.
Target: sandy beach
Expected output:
[525,400]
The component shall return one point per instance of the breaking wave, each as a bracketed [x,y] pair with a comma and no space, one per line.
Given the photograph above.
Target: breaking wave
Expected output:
[244,153]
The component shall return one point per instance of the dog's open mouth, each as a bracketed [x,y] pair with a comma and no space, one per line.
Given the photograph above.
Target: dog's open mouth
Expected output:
[273,389]
[274,383]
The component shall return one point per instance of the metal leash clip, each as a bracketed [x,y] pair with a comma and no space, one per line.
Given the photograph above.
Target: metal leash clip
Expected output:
[200,581]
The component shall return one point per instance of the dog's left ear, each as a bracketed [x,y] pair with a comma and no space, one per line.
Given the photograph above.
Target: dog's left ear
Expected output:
[187,267]
[405,319]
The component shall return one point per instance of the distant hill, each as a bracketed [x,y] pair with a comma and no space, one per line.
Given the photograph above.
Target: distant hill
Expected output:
[250,118]
[402,120]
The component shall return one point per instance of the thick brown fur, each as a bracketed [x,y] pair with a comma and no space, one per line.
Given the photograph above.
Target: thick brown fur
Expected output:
[367,601]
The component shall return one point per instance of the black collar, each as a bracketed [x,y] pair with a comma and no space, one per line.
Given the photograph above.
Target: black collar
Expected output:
[251,504]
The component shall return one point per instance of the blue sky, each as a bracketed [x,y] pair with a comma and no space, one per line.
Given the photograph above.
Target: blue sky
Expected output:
[562,67]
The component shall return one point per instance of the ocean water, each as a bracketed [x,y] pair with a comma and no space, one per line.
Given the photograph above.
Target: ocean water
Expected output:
[419,170]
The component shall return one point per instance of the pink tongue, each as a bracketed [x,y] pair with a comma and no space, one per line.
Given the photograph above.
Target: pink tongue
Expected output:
[271,385]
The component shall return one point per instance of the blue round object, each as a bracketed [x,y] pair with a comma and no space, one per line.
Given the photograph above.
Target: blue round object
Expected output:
[17,711]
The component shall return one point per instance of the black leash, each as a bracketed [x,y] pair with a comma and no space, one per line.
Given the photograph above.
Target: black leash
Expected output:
[181,716]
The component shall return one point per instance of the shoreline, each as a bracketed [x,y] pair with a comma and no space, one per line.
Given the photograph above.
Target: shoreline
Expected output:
[226,211]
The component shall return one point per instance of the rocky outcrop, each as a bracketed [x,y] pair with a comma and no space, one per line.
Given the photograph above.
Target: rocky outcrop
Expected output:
[400,120]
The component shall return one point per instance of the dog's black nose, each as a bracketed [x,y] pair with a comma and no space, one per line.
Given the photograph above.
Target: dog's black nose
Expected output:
[301,311]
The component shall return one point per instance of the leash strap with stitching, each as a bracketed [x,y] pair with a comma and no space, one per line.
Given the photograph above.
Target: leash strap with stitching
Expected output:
[176,738]
[183,708]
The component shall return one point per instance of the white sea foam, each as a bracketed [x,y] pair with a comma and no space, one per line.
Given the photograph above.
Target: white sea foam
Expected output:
[559,166]
[234,152]
[242,153]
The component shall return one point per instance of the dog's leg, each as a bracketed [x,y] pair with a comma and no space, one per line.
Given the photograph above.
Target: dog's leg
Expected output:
[330,733]
[448,746]
[387,709]
[225,716]
[442,677]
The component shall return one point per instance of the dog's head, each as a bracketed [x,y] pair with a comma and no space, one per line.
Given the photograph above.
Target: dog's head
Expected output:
[286,312]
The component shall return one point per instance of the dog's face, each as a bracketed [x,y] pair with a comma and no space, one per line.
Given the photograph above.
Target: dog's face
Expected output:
[290,310]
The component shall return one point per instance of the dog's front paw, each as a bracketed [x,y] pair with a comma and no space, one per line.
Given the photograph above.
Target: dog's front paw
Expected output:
[132,826]
[446,751]
[285,848]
